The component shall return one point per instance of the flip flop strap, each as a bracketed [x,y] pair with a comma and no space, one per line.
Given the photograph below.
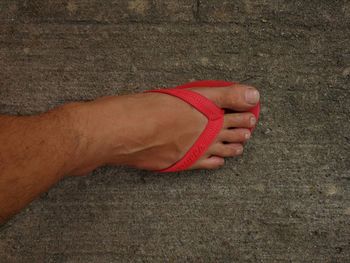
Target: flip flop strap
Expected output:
[215,117]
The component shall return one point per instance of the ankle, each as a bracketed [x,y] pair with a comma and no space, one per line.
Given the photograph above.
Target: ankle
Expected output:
[84,148]
[106,133]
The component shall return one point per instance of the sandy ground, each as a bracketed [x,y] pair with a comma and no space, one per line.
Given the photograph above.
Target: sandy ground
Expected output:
[287,199]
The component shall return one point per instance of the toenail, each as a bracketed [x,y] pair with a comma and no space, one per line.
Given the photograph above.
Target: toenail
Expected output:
[252,96]
[252,121]
[239,150]
[247,135]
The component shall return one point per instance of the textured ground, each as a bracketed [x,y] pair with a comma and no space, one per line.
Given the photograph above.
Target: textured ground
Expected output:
[286,200]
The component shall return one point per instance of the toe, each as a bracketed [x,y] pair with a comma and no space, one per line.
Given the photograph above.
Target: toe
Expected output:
[239,120]
[227,150]
[210,163]
[239,97]
[234,135]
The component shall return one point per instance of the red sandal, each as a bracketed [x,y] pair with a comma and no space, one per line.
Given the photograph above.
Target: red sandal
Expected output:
[214,114]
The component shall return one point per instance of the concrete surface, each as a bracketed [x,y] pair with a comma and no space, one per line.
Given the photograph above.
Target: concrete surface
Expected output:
[286,200]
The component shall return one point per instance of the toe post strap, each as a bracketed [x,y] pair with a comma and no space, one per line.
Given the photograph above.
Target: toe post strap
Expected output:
[199,102]
[215,117]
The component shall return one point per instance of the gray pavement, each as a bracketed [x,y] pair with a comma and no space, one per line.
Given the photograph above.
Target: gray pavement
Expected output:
[287,199]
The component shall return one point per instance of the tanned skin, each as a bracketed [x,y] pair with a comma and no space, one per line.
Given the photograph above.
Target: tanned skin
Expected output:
[147,131]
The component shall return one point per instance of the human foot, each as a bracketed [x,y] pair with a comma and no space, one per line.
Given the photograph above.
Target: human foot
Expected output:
[153,131]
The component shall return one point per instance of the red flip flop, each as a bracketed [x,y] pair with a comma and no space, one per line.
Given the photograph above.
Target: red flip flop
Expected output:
[214,114]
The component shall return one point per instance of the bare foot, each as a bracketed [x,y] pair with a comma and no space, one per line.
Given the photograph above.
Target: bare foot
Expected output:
[152,131]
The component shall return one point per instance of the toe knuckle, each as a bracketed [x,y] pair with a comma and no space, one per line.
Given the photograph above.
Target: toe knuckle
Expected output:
[232,95]
[229,151]
[232,119]
[230,137]
[236,118]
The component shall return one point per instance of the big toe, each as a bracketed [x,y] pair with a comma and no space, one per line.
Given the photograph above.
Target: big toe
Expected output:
[237,97]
